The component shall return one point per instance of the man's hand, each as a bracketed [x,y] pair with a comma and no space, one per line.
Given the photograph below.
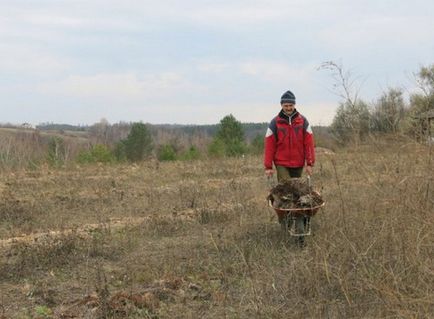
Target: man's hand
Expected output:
[309,170]
[269,172]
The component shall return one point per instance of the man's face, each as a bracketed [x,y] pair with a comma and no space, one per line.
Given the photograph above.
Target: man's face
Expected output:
[288,108]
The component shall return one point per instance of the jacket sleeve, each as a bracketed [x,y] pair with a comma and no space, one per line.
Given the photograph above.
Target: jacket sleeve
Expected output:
[309,144]
[270,145]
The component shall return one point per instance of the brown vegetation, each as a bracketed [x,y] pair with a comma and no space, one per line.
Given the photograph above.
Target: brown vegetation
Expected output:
[207,246]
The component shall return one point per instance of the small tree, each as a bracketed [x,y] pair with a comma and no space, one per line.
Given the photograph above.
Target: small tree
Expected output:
[230,134]
[137,145]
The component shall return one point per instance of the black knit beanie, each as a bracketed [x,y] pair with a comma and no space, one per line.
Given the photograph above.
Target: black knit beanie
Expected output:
[287,97]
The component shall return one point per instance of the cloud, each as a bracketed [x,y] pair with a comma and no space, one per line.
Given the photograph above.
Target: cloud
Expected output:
[269,69]
[213,67]
[304,76]
[319,112]
[236,54]
[232,15]
[23,58]
[137,14]
[379,32]
[126,87]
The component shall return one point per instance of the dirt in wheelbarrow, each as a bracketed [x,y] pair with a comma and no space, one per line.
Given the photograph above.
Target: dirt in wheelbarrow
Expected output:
[295,193]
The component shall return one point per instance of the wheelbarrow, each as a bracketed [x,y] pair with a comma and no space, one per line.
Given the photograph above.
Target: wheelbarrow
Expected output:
[296,221]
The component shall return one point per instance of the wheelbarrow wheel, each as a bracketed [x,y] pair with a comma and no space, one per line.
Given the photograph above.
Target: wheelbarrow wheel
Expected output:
[301,242]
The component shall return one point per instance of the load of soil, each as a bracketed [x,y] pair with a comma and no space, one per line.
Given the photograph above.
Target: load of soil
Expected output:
[295,193]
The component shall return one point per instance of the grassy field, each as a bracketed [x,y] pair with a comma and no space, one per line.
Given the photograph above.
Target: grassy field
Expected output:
[197,240]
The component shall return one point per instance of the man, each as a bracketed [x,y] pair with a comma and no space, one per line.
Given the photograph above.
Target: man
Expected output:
[289,145]
[289,142]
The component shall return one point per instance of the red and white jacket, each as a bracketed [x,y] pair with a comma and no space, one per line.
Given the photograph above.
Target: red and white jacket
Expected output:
[289,142]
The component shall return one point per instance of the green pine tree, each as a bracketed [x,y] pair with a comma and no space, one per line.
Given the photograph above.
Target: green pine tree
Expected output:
[230,134]
[137,145]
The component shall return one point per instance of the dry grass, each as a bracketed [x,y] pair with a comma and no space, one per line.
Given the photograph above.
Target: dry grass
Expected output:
[207,245]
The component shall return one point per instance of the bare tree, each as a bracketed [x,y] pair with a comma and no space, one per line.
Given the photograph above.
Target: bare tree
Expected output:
[351,122]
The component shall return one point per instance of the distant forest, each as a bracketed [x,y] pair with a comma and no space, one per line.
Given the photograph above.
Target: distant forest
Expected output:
[251,130]
[106,132]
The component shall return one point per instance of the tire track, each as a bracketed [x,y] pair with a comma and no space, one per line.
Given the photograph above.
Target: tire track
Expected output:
[87,229]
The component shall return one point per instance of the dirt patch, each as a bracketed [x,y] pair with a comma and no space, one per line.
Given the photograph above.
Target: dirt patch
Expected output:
[85,230]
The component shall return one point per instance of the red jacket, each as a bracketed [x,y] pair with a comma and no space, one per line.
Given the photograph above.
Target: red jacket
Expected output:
[289,142]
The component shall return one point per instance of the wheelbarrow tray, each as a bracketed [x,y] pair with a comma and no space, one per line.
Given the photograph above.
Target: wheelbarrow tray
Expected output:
[306,211]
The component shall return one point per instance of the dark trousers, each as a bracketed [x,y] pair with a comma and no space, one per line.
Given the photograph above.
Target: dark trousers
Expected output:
[285,173]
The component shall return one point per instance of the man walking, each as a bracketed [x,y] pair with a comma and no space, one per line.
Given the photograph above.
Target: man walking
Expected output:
[289,143]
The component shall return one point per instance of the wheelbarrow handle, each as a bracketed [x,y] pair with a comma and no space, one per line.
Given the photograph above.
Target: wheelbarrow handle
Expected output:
[270,181]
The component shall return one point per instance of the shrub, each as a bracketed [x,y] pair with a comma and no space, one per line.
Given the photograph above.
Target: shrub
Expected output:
[421,103]
[191,154]
[166,153]
[97,154]
[389,111]
[351,122]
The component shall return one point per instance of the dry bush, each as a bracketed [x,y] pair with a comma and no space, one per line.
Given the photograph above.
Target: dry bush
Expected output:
[20,148]
[29,149]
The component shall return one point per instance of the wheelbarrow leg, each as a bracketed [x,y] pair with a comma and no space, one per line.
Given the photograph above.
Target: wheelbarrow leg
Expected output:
[300,229]
[285,222]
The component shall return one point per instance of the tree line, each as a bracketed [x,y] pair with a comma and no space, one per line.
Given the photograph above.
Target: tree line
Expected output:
[127,142]
[228,140]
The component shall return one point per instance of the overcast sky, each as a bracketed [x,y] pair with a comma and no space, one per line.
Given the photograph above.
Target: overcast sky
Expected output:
[195,61]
